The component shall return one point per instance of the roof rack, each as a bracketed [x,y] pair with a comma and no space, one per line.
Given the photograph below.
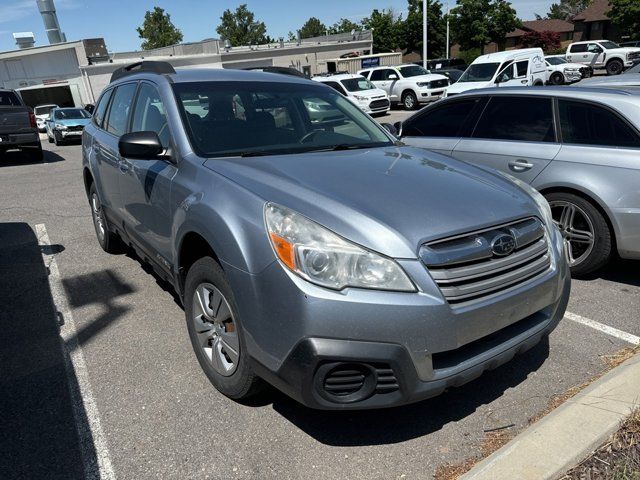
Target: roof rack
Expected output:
[146,66]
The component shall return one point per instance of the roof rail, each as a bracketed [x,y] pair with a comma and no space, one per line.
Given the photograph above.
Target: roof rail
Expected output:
[146,66]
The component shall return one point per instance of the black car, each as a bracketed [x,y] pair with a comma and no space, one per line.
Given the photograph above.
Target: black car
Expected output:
[453,74]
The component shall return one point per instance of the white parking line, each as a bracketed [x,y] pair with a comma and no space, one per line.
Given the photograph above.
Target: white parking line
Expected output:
[95,454]
[614,332]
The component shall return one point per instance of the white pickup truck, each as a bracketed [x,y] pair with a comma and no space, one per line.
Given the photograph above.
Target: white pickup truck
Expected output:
[409,85]
[603,54]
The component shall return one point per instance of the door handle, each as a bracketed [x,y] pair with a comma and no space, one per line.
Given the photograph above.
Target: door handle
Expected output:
[123,166]
[524,82]
[520,165]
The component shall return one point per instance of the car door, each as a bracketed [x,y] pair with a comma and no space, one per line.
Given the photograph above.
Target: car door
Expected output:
[440,127]
[145,184]
[578,53]
[595,55]
[515,134]
[105,145]
[383,79]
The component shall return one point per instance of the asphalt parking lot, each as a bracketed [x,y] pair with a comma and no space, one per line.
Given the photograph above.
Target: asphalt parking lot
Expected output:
[132,401]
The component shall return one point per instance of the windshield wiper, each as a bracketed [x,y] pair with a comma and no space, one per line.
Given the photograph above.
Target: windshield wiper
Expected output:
[343,146]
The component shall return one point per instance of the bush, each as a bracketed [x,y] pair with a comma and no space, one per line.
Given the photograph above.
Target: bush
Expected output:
[547,41]
[469,55]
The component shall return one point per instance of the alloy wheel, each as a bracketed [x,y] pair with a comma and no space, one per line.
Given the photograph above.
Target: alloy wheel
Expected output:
[577,229]
[215,326]
[409,102]
[96,213]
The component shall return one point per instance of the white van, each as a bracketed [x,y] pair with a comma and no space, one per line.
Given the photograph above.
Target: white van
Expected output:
[521,68]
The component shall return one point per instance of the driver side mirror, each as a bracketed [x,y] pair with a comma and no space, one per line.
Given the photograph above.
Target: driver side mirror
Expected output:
[391,128]
[140,145]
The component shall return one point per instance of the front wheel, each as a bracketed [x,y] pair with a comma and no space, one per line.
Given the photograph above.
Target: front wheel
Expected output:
[614,67]
[215,332]
[587,237]
[557,79]
[410,101]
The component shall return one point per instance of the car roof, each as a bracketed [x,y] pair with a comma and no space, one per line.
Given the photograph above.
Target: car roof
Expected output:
[591,41]
[600,94]
[214,75]
[339,76]
[501,56]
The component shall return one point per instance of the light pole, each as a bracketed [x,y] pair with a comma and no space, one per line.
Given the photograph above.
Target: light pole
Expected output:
[424,34]
[447,51]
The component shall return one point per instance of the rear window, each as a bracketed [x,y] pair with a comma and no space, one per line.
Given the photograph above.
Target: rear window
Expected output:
[9,99]
[443,121]
[586,124]
[527,119]
[581,47]
[119,110]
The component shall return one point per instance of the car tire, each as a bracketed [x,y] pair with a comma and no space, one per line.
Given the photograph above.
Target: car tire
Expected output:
[56,140]
[37,154]
[222,357]
[557,78]
[591,254]
[108,240]
[49,138]
[410,101]
[614,67]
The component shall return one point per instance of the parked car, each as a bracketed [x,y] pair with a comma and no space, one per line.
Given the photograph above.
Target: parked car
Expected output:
[525,67]
[67,124]
[18,126]
[446,63]
[360,91]
[561,72]
[281,70]
[409,85]
[344,268]
[603,54]
[42,113]
[452,74]
[585,163]
[629,78]
[633,43]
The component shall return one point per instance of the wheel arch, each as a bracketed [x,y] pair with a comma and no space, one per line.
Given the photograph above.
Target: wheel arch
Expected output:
[87,176]
[192,247]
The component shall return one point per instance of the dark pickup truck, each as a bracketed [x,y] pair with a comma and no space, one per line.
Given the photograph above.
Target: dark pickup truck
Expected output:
[18,128]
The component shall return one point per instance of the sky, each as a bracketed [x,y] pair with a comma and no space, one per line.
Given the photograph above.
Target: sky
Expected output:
[116,20]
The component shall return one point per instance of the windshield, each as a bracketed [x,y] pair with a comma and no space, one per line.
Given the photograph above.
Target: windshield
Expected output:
[479,72]
[269,118]
[357,84]
[46,110]
[9,98]
[412,71]
[71,114]
[556,60]
[609,45]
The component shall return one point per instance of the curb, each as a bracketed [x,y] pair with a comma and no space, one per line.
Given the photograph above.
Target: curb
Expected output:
[558,442]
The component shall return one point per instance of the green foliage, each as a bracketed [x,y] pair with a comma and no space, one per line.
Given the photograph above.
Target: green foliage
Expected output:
[344,25]
[313,28]
[387,30]
[241,28]
[476,23]
[567,9]
[469,55]
[436,29]
[626,15]
[157,30]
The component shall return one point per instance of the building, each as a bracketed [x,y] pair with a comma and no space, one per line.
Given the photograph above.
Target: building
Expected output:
[562,28]
[594,24]
[51,73]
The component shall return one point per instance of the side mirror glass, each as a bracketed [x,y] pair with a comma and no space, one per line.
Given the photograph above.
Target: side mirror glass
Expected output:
[391,129]
[140,145]
[398,127]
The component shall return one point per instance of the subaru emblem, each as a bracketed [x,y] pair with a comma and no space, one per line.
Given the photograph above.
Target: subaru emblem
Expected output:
[503,245]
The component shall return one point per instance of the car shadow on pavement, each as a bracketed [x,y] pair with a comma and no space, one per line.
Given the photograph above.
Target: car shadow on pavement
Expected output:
[40,418]
[620,271]
[378,427]
[16,158]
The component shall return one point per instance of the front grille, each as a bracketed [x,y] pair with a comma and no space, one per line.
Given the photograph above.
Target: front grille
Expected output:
[467,268]
[633,56]
[75,128]
[379,104]
[586,72]
[439,83]
[344,380]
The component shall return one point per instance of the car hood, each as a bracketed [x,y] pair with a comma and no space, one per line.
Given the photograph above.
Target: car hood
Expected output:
[374,92]
[464,86]
[624,50]
[564,66]
[390,199]
[428,78]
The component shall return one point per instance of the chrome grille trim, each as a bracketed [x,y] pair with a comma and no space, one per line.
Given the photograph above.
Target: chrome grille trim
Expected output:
[466,270]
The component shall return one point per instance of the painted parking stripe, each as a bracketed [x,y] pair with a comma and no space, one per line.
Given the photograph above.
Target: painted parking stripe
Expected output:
[92,440]
[614,332]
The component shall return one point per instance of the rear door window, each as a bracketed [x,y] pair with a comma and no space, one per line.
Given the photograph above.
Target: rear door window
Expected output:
[527,119]
[378,76]
[103,103]
[444,121]
[587,124]
[119,110]
[149,114]
[580,48]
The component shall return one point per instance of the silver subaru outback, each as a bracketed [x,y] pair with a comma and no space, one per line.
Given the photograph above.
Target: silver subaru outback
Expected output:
[309,247]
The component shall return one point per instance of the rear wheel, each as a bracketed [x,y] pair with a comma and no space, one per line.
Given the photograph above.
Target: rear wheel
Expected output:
[215,331]
[409,100]
[614,67]
[587,237]
[108,240]
[557,79]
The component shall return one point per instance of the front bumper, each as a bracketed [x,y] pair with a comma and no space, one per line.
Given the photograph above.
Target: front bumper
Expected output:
[573,76]
[426,96]
[406,346]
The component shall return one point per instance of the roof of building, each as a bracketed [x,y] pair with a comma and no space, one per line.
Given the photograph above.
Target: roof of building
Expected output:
[596,12]
[544,25]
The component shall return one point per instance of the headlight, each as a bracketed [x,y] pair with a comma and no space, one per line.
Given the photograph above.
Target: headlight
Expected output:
[360,98]
[322,257]
[60,127]
[423,84]
[572,70]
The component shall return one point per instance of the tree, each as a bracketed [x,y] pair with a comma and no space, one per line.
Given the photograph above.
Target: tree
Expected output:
[344,25]
[157,30]
[241,28]
[476,23]
[436,28]
[547,41]
[387,30]
[313,28]
[567,9]
[626,15]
